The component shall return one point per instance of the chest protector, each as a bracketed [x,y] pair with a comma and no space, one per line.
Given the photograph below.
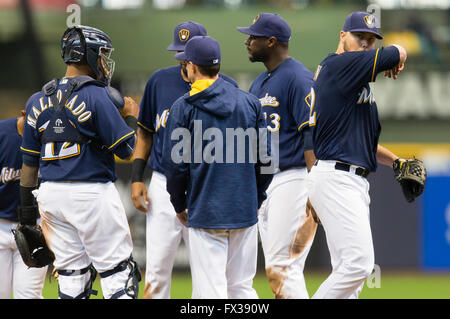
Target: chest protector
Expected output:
[60,128]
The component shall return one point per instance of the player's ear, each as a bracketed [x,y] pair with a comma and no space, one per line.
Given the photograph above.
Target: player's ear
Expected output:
[342,35]
[271,42]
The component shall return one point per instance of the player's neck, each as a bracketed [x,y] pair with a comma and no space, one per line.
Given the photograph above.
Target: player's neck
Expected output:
[275,60]
[19,125]
[74,70]
[340,49]
[200,76]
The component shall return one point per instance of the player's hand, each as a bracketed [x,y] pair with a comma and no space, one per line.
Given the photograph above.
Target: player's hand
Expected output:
[182,217]
[130,108]
[139,196]
[394,72]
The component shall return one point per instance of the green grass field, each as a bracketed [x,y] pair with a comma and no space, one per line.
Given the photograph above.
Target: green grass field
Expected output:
[393,285]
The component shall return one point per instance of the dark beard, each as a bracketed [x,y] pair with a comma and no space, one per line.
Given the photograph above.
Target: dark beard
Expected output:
[259,56]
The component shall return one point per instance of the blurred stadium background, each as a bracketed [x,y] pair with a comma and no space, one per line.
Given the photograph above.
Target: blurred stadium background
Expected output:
[412,241]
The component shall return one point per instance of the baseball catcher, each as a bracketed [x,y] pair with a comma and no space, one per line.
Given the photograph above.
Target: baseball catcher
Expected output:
[412,176]
[29,237]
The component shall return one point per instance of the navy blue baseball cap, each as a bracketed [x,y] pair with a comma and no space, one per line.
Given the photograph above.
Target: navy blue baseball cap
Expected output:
[183,32]
[362,22]
[201,50]
[269,25]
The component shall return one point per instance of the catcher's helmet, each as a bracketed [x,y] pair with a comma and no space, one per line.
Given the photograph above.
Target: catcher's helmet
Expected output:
[89,45]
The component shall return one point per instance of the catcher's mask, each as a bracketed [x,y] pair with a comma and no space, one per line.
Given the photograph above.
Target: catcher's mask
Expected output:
[89,45]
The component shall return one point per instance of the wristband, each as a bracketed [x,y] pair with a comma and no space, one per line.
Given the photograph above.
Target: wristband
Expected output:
[137,170]
[131,121]
[28,210]
[26,197]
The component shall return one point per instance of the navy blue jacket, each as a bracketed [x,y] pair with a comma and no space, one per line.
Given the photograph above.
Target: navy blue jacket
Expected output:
[221,186]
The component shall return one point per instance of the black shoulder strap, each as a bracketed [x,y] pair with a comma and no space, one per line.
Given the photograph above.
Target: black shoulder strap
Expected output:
[50,89]
[74,84]
[60,128]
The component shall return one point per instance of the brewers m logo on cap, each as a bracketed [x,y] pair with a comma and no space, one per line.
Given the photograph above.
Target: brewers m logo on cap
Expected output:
[255,19]
[183,34]
[369,21]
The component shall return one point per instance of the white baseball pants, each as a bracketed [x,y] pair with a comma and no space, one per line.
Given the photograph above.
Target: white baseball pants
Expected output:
[85,223]
[341,200]
[24,282]
[287,233]
[163,236]
[223,262]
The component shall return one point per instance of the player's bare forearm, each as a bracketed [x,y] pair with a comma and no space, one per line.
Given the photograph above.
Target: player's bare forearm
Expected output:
[385,156]
[29,176]
[310,159]
[143,144]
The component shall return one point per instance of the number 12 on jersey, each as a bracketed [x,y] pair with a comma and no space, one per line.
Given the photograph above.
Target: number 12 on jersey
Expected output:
[66,150]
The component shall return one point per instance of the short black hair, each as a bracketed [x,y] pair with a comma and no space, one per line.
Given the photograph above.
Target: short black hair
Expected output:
[209,70]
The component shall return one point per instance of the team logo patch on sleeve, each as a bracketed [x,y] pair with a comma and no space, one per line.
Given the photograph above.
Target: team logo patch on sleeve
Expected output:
[183,34]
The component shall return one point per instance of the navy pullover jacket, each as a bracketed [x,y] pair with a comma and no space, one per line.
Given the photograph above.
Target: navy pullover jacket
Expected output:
[213,157]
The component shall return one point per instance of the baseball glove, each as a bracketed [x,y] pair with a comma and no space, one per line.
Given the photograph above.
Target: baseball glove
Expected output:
[412,176]
[32,246]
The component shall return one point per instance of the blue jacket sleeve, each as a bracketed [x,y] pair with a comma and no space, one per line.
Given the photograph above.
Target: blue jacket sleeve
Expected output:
[176,156]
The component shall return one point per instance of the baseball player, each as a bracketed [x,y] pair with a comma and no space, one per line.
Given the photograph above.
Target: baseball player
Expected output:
[217,199]
[72,132]
[164,231]
[286,228]
[345,137]
[24,282]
